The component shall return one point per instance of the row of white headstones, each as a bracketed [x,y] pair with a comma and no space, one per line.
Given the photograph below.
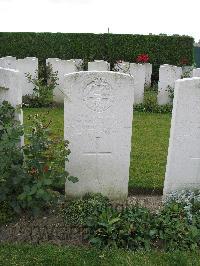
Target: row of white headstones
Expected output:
[98,114]
[141,73]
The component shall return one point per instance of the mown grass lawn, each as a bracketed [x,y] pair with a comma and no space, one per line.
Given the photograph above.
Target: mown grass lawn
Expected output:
[149,145]
[22,255]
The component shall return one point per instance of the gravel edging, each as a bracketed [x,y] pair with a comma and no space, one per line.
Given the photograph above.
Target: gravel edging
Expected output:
[53,230]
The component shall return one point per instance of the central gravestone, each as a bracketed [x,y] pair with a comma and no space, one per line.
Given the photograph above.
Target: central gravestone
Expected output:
[98,124]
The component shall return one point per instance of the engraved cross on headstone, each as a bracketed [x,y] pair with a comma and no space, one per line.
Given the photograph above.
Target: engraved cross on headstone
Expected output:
[97,153]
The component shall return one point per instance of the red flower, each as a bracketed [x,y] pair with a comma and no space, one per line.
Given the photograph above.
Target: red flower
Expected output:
[33,171]
[46,168]
[184,61]
[142,58]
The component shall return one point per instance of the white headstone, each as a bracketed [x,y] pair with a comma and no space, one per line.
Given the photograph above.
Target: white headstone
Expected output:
[196,72]
[63,67]
[8,62]
[122,67]
[167,76]
[98,113]
[98,65]
[25,66]
[183,162]
[137,71]
[148,73]
[10,89]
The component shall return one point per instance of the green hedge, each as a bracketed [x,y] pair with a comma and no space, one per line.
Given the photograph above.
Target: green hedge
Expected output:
[162,49]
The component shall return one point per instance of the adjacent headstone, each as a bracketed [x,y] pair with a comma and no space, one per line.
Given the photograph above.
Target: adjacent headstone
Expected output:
[137,71]
[28,65]
[98,113]
[63,67]
[8,62]
[183,162]
[148,73]
[122,67]
[10,86]
[187,71]
[98,65]
[167,76]
[10,90]
[196,72]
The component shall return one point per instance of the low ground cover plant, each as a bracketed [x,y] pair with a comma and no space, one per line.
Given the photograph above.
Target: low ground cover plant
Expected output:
[175,226]
[150,104]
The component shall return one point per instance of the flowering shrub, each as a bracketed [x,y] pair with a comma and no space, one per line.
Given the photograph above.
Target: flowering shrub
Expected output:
[184,62]
[142,58]
[29,175]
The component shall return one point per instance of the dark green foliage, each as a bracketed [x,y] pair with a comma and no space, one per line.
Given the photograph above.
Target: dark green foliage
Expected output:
[11,156]
[76,212]
[197,56]
[43,88]
[136,228]
[131,228]
[150,104]
[88,46]
[174,229]
[30,176]
[6,213]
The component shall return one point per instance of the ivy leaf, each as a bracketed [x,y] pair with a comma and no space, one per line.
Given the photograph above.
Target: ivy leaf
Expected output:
[73,179]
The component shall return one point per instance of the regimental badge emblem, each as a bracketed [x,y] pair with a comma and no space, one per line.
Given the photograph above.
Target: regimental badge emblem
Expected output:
[98,95]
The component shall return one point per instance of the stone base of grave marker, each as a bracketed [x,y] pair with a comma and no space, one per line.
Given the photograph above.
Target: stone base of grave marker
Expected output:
[98,116]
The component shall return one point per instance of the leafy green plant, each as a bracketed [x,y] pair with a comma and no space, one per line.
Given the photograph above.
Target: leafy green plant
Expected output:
[110,47]
[174,229]
[43,88]
[11,156]
[6,213]
[150,104]
[76,212]
[131,228]
[171,92]
[43,165]
[30,175]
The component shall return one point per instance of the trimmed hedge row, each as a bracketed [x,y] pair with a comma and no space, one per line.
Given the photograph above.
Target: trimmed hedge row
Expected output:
[162,49]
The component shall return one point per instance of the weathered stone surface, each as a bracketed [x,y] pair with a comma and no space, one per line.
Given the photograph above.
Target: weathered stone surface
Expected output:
[25,66]
[137,71]
[98,65]
[196,72]
[98,116]
[63,67]
[167,76]
[183,162]
[8,62]
[148,73]
[10,90]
